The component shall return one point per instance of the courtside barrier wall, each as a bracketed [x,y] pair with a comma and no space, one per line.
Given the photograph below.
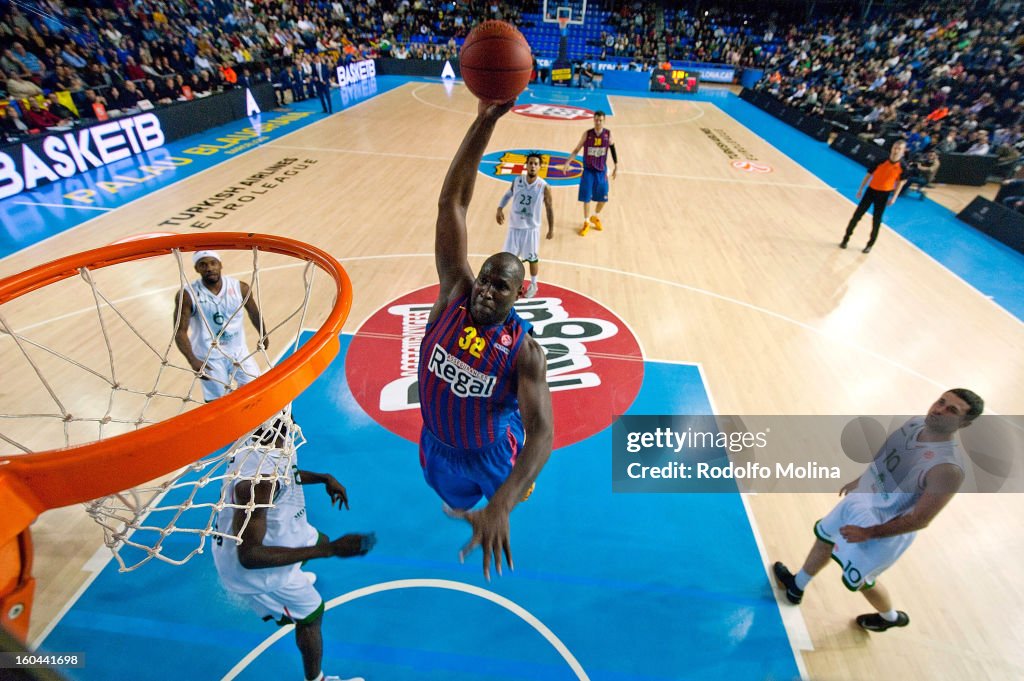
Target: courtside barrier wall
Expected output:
[59,154]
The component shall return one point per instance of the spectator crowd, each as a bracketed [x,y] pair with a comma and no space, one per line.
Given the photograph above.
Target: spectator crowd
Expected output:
[119,53]
[944,78]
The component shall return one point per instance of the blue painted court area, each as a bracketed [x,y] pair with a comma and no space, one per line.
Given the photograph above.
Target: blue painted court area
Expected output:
[612,577]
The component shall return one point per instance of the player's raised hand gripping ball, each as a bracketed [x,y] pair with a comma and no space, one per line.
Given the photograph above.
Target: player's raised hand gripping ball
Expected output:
[496,61]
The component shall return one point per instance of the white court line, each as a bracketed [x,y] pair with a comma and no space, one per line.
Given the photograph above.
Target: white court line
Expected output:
[102,557]
[792,618]
[415,95]
[60,205]
[94,566]
[595,301]
[907,241]
[610,112]
[695,178]
[358,104]
[153,292]
[175,183]
[665,124]
[755,308]
[556,100]
[445,584]
[701,178]
[609,270]
[360,151]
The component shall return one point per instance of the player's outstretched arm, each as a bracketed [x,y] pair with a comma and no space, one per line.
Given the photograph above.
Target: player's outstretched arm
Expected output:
[576,150]
[897,191]
[450,241]
[253,310]
[352,545]
[549,207]
[849,487]
[335,490]
[252,554]
[940,486]
[864,183]
[491,531]
[538,422]
[182,314]
[504,202]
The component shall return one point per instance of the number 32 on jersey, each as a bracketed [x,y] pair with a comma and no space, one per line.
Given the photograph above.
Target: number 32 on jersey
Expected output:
[471,342]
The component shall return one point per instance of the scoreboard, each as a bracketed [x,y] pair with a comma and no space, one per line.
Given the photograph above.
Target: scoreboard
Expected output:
[674,80]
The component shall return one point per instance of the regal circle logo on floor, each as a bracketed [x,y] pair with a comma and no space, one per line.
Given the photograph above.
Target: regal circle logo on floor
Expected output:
[554,112]
[509,164]
[595,366]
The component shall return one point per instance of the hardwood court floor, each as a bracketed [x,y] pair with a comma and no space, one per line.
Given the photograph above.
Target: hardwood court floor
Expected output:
[736,271]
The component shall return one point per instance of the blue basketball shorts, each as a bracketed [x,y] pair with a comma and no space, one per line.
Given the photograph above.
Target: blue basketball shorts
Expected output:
[593,186]
[461,477]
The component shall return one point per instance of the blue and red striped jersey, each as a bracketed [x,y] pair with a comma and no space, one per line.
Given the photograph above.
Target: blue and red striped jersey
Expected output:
[468,379]
[595,150]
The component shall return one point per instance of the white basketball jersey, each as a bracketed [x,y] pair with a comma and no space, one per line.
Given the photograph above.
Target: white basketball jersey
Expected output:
[225,319]
[527,200]
[895,479]
[287,524]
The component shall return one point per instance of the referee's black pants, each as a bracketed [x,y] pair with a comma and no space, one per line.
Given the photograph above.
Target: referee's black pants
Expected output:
[877,200]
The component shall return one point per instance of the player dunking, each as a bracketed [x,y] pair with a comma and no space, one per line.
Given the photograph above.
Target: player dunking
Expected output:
[596,145]
[487,426]
[523,238]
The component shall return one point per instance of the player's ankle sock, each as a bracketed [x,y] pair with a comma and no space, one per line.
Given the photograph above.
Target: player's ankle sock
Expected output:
[802,579]
[533,279]
[890,616]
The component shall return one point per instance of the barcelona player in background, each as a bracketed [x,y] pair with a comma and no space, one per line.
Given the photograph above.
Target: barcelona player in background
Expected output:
[596,145]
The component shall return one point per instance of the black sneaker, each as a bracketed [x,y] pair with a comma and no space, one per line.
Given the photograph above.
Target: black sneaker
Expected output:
[875,622]
[785,579]
[842,244]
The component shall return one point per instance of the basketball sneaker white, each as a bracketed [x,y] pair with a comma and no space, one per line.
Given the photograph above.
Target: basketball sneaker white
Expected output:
[532,290]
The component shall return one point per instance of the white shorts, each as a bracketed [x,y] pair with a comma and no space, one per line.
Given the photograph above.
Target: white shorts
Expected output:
[523,243]
[296,601]
[222,371]
[861,562]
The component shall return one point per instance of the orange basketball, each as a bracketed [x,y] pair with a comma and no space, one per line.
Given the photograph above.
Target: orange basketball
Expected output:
[496,61]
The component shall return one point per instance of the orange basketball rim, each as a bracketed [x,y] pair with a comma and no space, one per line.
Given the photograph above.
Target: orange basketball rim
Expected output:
[33,483]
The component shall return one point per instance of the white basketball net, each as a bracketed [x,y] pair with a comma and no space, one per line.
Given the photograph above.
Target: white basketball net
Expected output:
[151,522]
[138,377]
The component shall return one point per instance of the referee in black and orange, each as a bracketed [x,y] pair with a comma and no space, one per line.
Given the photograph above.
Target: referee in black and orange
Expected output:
[886,182]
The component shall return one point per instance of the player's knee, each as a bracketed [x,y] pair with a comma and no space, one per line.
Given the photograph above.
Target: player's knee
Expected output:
[312,620]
